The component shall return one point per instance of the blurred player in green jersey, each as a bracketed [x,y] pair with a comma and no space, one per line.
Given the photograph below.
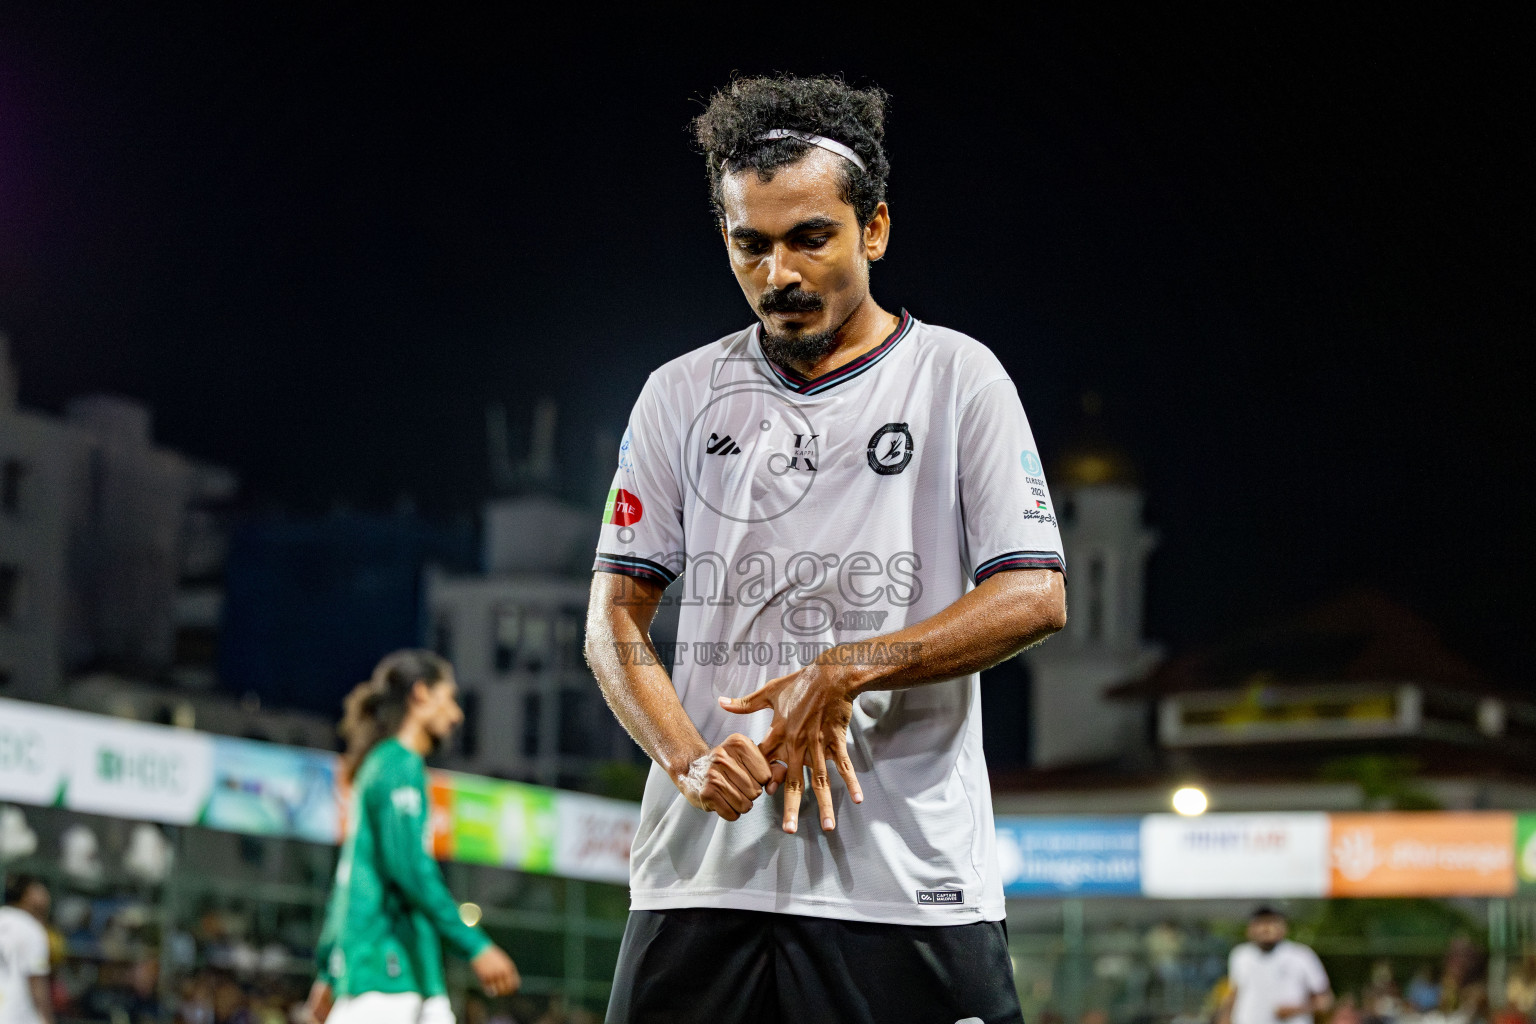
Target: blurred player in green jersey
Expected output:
[380,952]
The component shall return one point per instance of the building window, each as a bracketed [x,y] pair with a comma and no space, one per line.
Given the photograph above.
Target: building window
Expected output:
[469,731]
[538,643]
[13,475]
[12,593]
[572,629]
[532,705]
[1095,626]
[507,636]
[524,640]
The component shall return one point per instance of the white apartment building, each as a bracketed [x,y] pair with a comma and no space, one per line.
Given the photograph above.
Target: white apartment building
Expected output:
[109,554]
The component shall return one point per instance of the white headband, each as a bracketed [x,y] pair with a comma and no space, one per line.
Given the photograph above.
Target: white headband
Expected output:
[830,145]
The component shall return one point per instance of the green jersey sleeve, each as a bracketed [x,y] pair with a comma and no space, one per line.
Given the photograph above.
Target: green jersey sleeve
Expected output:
[328,933]
[401,814]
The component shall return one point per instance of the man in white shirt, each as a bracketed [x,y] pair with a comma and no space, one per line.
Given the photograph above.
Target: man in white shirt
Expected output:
[1272,980]
[849,507]
[24,996]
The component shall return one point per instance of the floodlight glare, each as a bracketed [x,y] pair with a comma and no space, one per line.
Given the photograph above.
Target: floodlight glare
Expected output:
[1190,801]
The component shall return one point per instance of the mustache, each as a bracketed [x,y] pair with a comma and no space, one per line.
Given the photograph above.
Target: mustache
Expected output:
[789,300]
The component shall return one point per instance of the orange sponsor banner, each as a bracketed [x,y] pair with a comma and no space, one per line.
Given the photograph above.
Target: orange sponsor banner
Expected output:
[440,819]
[1423,854]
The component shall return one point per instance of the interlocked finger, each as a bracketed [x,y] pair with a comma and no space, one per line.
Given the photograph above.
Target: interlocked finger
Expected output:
[794,789]
[821,784]
[845,765]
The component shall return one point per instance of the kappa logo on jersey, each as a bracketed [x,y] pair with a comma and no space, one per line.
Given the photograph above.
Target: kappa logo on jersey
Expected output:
[624,508]
[722,445]
[805,452]
[890,449]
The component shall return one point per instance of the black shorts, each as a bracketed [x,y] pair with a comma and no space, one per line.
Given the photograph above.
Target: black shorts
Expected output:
[707,966]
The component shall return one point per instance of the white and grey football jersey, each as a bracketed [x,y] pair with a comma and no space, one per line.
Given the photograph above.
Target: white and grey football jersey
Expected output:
[809,513]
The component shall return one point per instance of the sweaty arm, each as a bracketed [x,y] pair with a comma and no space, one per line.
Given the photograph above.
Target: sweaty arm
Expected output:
[724,780]
[1006,613]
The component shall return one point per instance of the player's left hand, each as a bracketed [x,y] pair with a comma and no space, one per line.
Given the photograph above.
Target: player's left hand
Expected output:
[318,1006]
[812,709]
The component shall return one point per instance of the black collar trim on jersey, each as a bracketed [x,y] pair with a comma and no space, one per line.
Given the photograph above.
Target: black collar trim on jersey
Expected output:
[832,378]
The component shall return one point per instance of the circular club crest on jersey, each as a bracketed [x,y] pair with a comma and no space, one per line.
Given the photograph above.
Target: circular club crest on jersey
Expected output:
[1030,461]
[624,508]
[890,449]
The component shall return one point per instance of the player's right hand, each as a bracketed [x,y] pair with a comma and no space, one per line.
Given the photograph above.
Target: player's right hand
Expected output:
[496,971]
[728,779]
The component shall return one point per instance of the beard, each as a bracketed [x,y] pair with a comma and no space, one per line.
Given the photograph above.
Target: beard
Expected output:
[799,348]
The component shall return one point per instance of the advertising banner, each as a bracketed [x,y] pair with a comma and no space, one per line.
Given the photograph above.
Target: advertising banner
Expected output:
[1234,855]
[133,770]
[489,821]
[33,758]
[1427,854]
[270,790]
[594,837]
[1525,853]
[1070,856]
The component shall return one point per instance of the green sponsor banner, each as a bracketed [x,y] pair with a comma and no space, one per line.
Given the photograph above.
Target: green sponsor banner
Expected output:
[506,824]
[1525,853]
[529,827]
[474,821]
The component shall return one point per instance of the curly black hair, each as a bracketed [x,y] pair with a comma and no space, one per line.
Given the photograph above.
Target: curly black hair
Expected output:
[730,129]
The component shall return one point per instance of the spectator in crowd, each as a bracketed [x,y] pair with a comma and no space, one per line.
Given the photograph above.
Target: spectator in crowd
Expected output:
[1271,979]
[25,995]
[1423,991]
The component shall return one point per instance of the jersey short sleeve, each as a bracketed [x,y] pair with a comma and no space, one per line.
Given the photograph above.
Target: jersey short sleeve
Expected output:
[1010,521]
[34,952]
[1312,969]
[642,533]
[1237,961]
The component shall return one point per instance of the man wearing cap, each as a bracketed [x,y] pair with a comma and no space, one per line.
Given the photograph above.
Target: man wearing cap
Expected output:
[847,505]
[1272,980]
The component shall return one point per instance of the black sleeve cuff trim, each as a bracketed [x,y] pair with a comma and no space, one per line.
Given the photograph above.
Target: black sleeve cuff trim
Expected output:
[631,565]
[1020,560]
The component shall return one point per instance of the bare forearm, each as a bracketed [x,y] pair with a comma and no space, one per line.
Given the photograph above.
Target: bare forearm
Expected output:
[1224,1011]
[1007,613]
[633,681]
[42,999]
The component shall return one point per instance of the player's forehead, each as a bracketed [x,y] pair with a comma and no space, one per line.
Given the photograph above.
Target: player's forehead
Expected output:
[807,190]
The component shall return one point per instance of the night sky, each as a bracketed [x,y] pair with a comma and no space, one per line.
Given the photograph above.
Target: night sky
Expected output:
[1294,258]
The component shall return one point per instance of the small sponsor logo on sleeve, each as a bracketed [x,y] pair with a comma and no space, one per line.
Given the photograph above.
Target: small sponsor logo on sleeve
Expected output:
[1030,462]
[626,453]
[624,508]
[937,897]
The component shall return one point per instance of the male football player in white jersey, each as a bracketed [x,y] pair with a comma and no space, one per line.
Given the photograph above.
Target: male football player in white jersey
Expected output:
[24,995]
[854,503]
